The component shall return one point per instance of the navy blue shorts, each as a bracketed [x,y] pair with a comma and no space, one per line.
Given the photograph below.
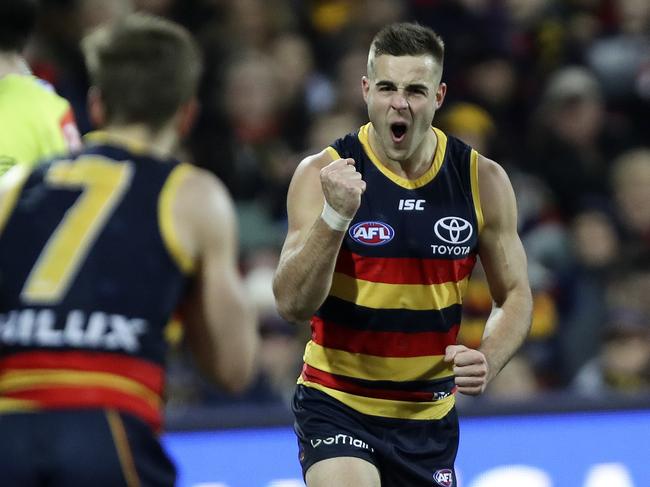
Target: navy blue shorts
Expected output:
[406,452]
[75,448]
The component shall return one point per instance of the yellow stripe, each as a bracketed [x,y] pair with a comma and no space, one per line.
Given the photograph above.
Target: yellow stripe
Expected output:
[333,153]
[20,380]
[166,219]
[371,367]
[123,449]
[438,158]
[476,195]
[14,180]
[389,408]
[379,295]
[10,405]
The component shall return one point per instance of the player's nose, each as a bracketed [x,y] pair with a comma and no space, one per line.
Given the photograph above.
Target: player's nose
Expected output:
[399,101]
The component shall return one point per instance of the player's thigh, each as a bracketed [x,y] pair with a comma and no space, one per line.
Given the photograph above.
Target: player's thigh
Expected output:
[342,472]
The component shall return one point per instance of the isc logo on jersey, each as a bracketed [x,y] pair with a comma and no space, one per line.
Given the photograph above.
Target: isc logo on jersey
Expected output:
[372,233]
[411,205]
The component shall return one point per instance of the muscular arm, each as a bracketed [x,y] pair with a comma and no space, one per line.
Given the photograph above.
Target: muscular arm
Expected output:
[220,325]
[504,261]
[304,274]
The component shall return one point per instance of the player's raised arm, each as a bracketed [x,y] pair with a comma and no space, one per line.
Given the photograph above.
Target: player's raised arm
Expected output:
[220,323]
[324,196]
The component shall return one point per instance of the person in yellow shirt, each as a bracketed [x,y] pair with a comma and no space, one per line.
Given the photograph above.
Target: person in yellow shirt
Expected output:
[35,122]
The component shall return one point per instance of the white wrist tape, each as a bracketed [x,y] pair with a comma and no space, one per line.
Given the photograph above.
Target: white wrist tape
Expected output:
[334,219]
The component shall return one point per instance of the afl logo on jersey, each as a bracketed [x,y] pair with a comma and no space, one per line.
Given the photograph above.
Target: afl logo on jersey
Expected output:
[453,230]
[372,233]
[444,477]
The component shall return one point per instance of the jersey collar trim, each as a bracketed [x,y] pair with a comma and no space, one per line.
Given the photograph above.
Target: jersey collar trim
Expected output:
[438,158]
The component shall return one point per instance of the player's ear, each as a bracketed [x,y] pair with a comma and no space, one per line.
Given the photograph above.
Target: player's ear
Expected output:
[186,116]
[96,110]
[440,94]
[365,87]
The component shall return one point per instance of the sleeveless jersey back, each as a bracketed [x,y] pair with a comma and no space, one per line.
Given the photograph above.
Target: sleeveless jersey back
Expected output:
[94,274]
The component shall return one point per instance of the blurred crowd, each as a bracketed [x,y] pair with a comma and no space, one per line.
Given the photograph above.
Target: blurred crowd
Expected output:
[557,91]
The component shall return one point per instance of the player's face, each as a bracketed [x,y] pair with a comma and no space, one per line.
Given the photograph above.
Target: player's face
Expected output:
[403,94]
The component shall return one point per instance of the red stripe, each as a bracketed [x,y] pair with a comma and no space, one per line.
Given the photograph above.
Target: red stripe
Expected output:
[328,380]
[381,343]
[147,373]
[91,397]
[404,270]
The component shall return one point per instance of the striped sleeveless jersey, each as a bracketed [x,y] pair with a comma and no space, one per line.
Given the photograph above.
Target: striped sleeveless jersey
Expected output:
[378,341]
[91,271]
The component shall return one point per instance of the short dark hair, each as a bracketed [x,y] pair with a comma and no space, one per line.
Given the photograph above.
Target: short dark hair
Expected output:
[144,66]
[17,21]
[408,39]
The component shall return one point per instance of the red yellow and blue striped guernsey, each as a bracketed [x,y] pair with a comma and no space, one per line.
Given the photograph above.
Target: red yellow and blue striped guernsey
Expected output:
[82,321]
[379,339]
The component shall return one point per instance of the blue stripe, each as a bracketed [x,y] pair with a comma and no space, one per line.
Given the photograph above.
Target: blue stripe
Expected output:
[397,320]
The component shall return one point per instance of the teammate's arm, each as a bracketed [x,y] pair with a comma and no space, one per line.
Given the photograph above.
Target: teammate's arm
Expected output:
[220,324]
[504,260]
[304,274]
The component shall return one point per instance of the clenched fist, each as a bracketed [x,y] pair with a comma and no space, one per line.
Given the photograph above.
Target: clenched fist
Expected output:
[470,368]
[342,186]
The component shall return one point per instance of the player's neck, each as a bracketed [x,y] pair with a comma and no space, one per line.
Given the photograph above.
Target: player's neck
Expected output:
[418,163]
[162,143]
[12,63]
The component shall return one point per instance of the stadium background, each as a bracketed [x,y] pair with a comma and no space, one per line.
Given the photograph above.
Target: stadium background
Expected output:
[557,91]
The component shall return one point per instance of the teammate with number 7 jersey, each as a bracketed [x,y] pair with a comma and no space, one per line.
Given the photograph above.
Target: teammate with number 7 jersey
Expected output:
[97,251]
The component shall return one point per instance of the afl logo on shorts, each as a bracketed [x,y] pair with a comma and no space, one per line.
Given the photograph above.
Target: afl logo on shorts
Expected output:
[372,233]
[444,477]
[453,230]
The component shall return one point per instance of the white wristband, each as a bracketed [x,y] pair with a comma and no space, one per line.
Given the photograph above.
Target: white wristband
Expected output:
[334,219]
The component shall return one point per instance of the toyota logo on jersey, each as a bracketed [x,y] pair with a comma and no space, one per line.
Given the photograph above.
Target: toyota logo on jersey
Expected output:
[453,230]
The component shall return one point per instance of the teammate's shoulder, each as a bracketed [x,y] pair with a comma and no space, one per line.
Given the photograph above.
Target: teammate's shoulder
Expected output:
[199,179]
[201,191]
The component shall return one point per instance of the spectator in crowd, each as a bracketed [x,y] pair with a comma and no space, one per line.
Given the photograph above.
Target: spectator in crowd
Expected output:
[596,253]
[572,142]
[631,180]
[622,364]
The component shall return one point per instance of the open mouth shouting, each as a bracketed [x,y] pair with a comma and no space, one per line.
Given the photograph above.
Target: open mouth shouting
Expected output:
[398,132]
